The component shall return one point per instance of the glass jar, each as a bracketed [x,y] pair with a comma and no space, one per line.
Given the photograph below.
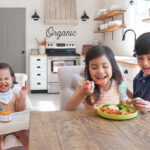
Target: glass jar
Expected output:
[5,116]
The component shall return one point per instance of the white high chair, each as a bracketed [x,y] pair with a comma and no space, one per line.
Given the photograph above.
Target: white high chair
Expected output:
[11,140]
[21,78]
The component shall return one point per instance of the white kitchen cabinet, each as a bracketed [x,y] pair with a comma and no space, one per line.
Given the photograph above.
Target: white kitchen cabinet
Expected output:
[82,60]
[38,73]
[129,71]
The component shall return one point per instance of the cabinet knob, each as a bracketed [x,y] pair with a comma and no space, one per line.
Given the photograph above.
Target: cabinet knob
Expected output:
[38,83]
[38,59]
[38,67]
[126,71]
[38,74]
[23,52]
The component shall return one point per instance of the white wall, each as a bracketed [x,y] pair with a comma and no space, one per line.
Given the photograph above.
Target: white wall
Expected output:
[37,29]
[133,20]
[85,35]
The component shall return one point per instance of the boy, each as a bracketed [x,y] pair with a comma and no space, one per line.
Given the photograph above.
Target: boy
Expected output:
[141,83]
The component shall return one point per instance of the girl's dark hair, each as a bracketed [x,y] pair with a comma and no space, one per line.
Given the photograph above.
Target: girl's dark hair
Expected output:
[4,66]
[95,52]
[142,44]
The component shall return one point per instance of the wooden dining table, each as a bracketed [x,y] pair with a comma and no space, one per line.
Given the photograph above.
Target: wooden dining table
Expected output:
[85,130]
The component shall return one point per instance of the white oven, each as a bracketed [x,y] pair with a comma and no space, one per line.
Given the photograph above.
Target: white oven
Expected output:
[54,63]
[59,54]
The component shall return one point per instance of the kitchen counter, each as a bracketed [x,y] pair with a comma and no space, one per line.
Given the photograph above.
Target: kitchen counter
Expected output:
[126,60]
[120,59]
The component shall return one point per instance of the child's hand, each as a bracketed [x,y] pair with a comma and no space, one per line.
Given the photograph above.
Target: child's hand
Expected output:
[88,87]
[127,102]
[24,90]
[142,105]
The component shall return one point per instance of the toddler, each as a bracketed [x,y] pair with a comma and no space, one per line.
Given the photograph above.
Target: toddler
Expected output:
[10,100]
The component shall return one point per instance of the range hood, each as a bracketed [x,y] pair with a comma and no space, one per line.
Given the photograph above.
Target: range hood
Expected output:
[60,12]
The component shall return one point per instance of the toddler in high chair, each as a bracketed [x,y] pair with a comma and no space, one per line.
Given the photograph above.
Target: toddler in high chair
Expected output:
[11,101]
[104,82]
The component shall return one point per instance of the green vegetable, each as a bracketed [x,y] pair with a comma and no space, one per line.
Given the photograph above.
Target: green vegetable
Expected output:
[124,109]
[106,105]
[121,106]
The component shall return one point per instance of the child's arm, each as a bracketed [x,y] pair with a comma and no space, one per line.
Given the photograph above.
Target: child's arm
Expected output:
[20,105]
[1,142]
[129,93]
[80,94]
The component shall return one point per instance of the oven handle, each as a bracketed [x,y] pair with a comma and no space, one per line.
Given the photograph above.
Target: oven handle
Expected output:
[63,58]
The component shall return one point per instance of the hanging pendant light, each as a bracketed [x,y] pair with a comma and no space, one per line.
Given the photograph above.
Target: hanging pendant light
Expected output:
[84,17]
[132,2]
[35,16]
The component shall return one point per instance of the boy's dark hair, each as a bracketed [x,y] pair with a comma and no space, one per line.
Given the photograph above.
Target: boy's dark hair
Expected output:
[4,65]
[142,44]
[95,52]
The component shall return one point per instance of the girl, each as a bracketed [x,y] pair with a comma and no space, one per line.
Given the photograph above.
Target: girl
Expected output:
[103,80]
[10,100]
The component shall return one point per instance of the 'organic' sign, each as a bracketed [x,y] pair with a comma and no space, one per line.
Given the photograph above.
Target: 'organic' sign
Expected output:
[51,32]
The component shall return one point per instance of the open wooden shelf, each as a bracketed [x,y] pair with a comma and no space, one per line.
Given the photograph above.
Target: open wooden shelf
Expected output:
[146,20]
[110,14]
[112,28]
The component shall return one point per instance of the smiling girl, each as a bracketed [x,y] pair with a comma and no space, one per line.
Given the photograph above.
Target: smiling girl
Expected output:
[103,80]
[10,100]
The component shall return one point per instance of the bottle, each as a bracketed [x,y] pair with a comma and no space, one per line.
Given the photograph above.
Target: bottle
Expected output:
[5,116]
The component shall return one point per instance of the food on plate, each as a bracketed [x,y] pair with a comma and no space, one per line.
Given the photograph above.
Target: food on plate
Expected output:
[100,82]
[116,109]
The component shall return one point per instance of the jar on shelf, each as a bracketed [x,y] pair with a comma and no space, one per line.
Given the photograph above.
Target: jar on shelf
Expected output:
[42,49]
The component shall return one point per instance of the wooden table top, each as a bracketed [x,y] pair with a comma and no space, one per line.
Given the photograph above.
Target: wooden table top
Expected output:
[85,130]
[20,121]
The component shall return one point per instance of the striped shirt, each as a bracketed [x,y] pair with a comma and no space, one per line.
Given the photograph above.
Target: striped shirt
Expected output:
[111,96]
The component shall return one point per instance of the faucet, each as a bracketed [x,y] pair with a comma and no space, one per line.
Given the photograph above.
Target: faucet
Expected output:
[123,38]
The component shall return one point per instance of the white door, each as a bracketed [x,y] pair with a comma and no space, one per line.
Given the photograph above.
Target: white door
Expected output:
[13,37]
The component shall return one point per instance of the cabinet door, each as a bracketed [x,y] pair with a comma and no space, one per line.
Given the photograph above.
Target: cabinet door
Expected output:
[38,72]
[129,72]
[82,60]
